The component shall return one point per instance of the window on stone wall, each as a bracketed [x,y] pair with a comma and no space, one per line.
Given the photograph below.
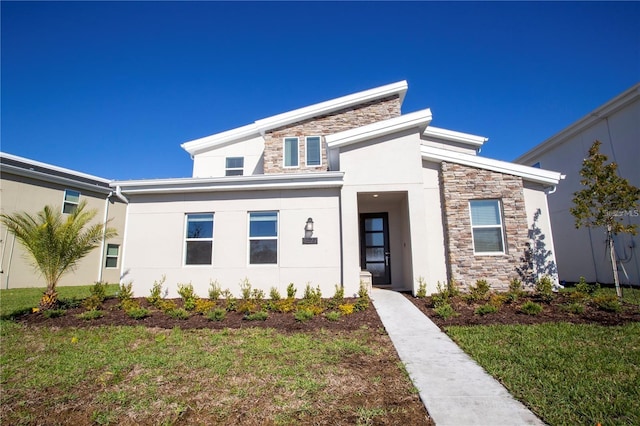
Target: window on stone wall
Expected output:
[313,151]
[486,226]
[71,201]
[263,238]
[234,166]
[199,239]
[291,152]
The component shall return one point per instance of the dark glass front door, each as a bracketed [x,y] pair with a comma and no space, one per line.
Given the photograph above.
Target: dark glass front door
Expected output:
[374,246]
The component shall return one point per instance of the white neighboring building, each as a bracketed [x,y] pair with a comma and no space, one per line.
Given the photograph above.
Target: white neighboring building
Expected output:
[384,192]
[583,252]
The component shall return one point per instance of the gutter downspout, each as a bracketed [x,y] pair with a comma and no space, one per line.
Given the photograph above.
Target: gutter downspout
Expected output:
[104,232]
[119,194]
[124,237]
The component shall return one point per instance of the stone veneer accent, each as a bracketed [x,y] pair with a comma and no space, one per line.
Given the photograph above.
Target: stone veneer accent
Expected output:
[357,116]
[460,184]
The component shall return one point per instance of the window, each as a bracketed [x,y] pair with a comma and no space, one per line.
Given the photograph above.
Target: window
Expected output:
[112,256]
[313,150]
[71,201]
[291,152]
[199,239]
[263,238]
[234,166]
[486,225]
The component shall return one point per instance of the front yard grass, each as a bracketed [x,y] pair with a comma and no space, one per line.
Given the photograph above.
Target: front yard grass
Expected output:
[568,374]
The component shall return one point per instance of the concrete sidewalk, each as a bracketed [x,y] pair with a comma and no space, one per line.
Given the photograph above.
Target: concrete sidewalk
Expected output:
[455,390]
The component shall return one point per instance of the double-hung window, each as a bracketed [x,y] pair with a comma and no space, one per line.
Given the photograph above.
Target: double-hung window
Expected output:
[111,260]
[71,201]
[263,238]
[234,166]
[291,152]
[486,225]
[313,151]
[199,239]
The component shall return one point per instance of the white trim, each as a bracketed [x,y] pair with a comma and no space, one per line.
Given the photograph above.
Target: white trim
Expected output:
[233,183]
[51,167]
[418,119]
[284,152]
[604,111]
[500,226]
[45,177]
[187,240]
[259,127]
[531,174]
[453,136]
[250,238]
[231,169]
[306,151]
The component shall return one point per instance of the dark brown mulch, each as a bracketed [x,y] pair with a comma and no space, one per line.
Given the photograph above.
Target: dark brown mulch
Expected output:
[509,313]
[284,322]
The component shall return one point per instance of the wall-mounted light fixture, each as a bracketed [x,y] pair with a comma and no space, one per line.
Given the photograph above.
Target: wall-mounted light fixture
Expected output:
[308,233]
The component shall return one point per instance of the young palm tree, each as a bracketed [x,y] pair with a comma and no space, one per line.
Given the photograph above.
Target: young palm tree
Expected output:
[55,243]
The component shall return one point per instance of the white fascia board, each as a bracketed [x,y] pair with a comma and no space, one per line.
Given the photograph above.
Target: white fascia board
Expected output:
[197,145]
[322,108]
[601,113]
[531,174]
[45,177]
[52,167]
[240,183]
[420,119]
[453,136]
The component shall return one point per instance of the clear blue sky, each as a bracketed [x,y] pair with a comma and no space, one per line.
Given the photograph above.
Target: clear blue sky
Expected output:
[114,88]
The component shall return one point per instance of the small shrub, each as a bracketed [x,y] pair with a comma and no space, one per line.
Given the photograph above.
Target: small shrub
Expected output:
[138,312]
[333,315]
[245,289]
[422,288]
[485,309]
[338,295]
[607,302]
[363,291]
[91,315]
[247,307]
[497,300]
[291,291]
[125,292]
[544,288]
[274,294]
[583,286]
[579,296]
[312,295]
[185,291]
[257,295]
[98,290]
[574,308]
[346,308]
[92,303]
[515,290]
[441,297]
[69,303]
[284,305]
[445,311]
[257,316]
[204,305]
[178,313]
[231,301]
[156,292]
[479,291]
[217,314]
[303,315]
[166,305]
[531,308]
[54,313]
[214,290]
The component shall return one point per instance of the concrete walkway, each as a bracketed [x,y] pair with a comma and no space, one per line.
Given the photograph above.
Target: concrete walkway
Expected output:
[455,390]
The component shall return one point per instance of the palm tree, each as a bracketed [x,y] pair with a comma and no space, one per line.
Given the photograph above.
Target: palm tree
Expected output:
[56,244]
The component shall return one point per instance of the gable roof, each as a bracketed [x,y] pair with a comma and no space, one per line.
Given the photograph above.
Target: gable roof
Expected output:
[259,127]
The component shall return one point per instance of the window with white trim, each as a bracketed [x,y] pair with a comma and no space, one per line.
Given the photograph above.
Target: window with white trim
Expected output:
[234,166]
[290,152]
[263,238]
[71,201]
[198,239]
[111,260]
[486,226]
[313,151]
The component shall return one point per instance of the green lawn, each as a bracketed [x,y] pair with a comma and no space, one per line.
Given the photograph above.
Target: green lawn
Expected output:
[568,374]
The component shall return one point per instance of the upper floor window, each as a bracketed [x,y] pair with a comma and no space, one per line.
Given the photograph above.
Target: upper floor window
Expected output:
[291,152]
[234,166]
[314,151]
[112,256]
[199,239]
[71,201]
[263,237]
[486,226]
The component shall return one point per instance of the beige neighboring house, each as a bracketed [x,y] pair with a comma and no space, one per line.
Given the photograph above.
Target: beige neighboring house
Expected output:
[27,185]
[583,252]
[333,193]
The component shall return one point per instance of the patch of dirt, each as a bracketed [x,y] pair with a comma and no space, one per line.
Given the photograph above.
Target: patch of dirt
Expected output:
[510,313]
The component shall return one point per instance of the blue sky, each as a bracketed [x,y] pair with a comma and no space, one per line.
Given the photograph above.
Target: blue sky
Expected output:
[113,88]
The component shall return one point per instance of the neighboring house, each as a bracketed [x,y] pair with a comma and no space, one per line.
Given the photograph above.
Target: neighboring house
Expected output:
[383,192]
[27,186]
[583,252]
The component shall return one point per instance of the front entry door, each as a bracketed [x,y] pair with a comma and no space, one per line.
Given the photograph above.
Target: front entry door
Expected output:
[374,246]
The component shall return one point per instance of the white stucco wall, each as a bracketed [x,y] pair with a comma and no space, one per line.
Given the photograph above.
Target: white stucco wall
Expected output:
[212,163]
[155,241]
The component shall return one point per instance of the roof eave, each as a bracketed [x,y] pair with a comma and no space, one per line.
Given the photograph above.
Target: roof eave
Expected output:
[453,136]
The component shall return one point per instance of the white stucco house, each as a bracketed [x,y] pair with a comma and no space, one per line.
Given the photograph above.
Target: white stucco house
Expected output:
[583,252]
[383,192]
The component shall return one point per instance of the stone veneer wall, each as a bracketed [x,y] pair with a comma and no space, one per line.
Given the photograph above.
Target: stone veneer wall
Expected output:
[460,184]
[360,115]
